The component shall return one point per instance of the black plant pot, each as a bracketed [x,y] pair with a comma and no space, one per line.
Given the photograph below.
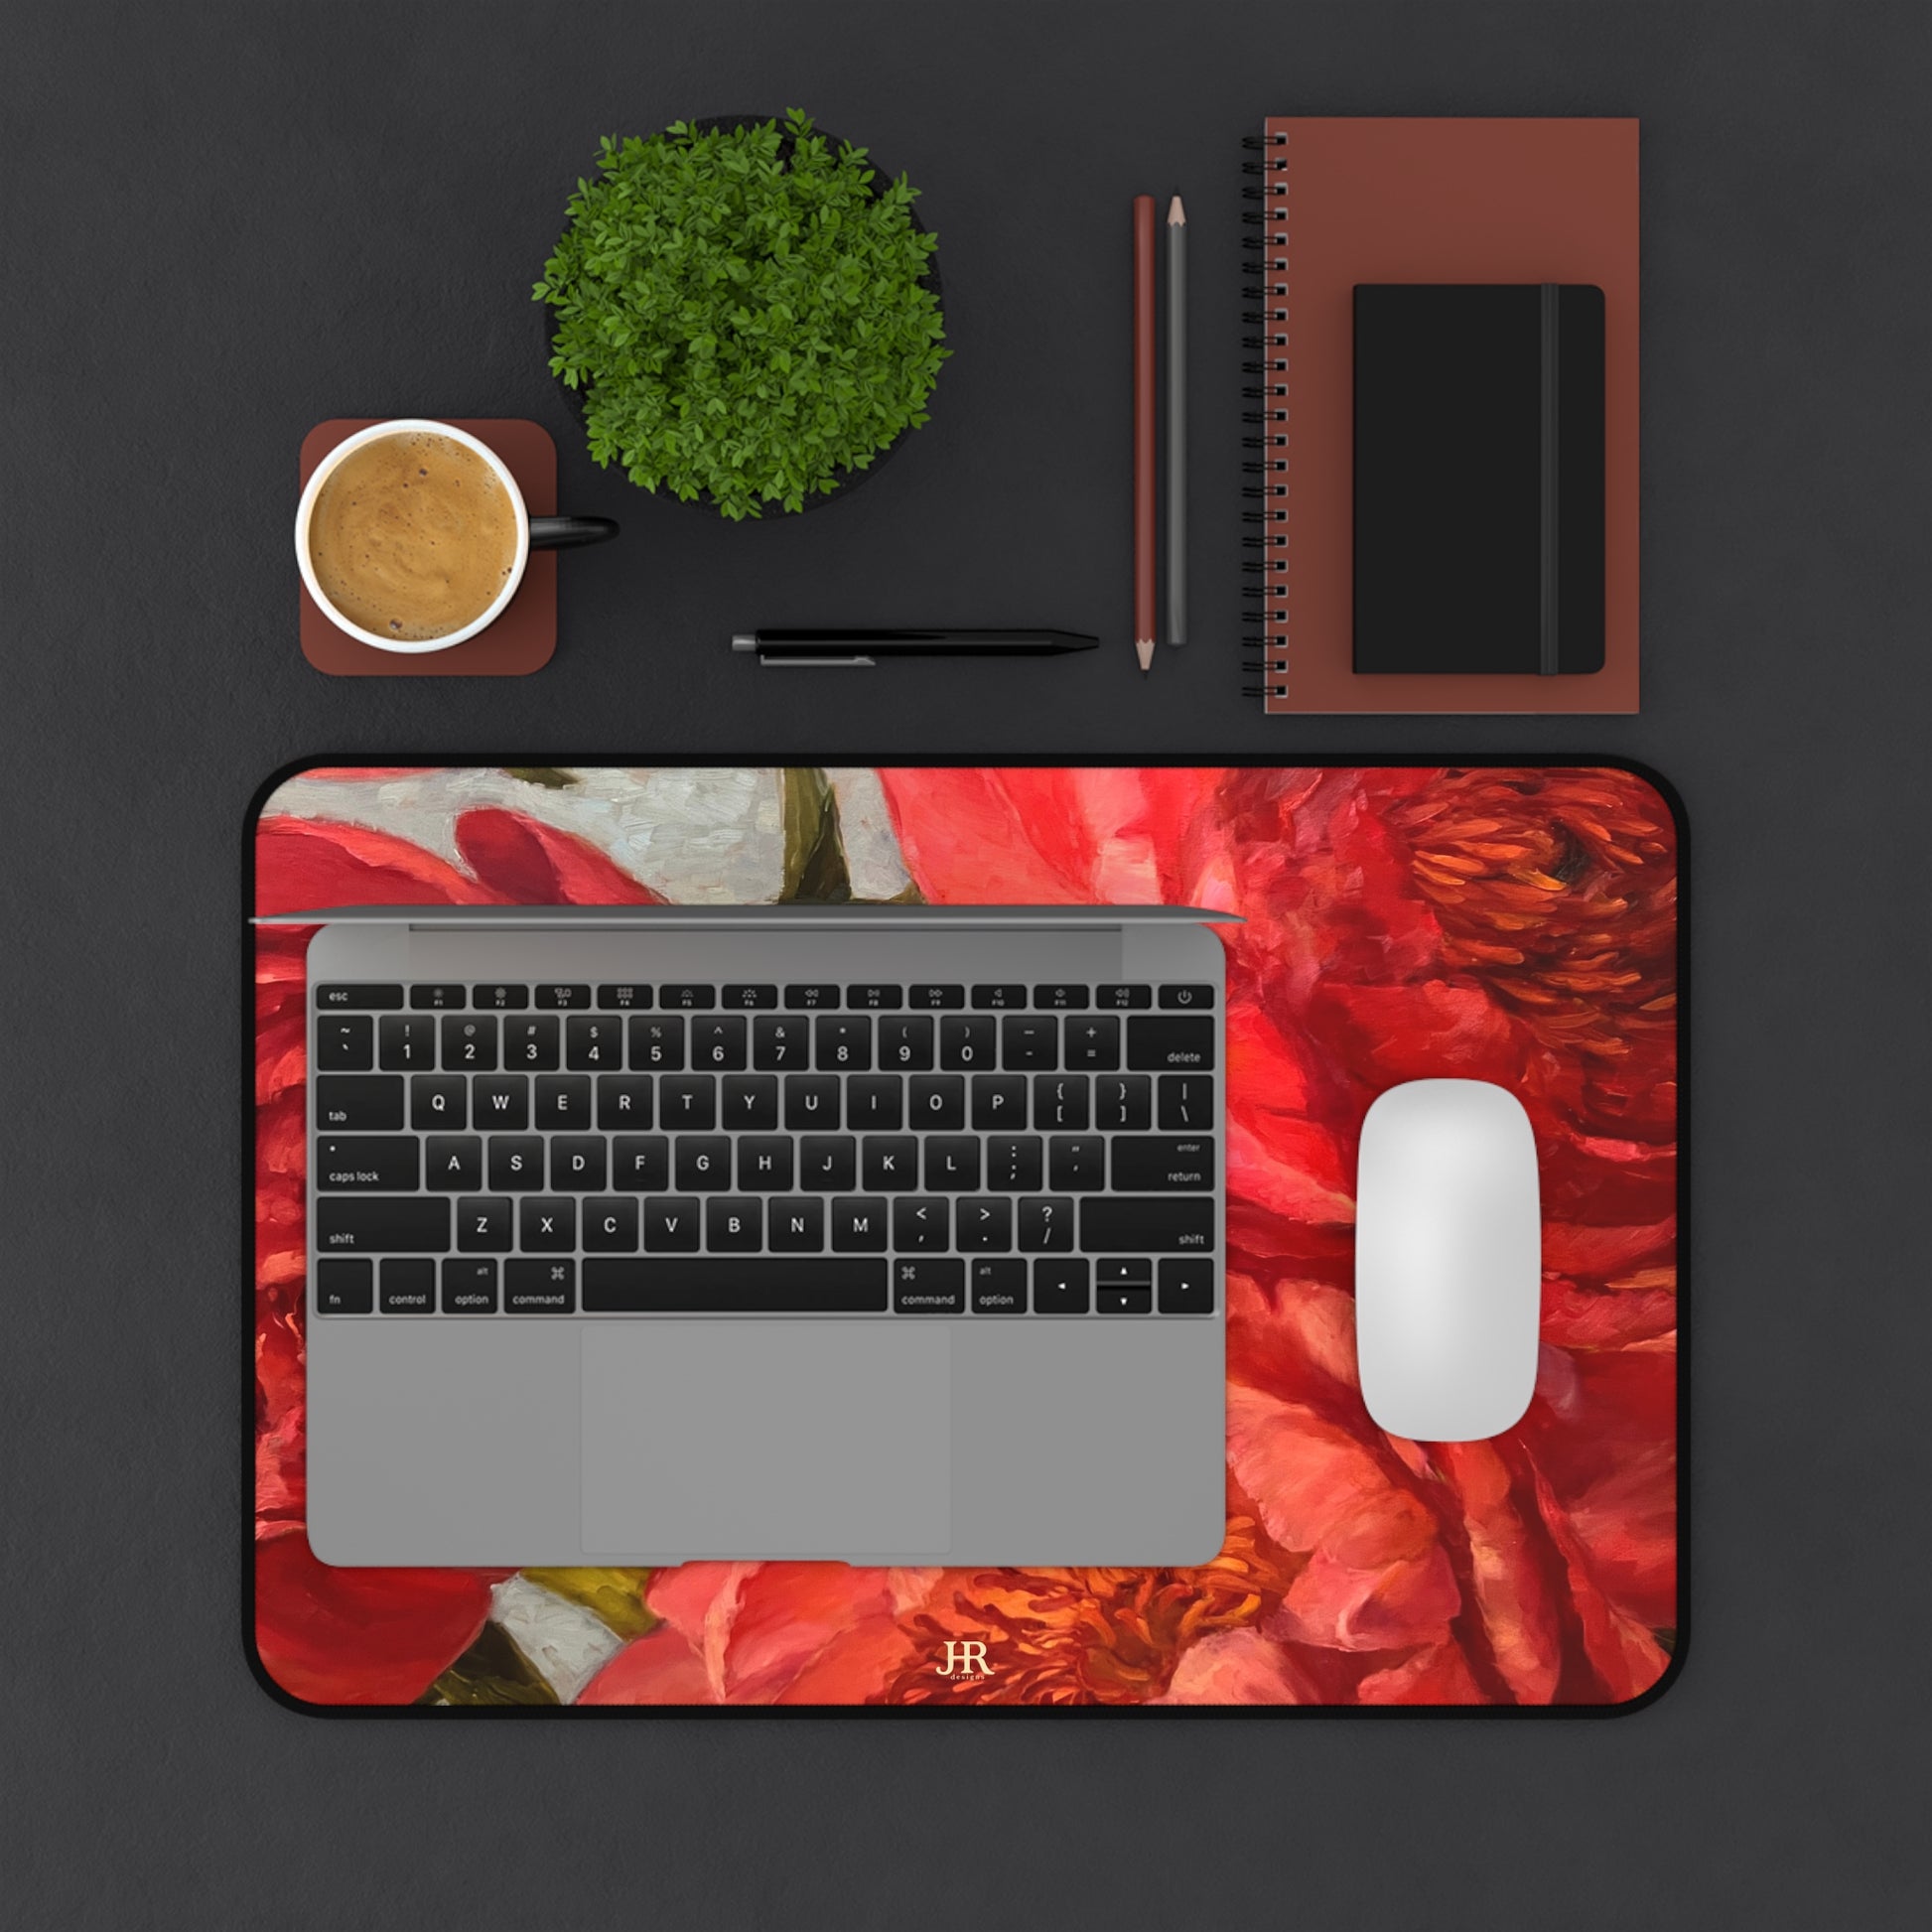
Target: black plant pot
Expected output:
[844,481]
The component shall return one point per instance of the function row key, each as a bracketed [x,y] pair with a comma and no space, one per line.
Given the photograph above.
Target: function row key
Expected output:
[357,998]
[439,997]
[563,999]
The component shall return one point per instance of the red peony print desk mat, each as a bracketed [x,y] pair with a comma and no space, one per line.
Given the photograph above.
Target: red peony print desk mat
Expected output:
[1509,922]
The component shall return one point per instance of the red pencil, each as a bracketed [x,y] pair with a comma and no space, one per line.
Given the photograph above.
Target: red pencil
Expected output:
[1144,525]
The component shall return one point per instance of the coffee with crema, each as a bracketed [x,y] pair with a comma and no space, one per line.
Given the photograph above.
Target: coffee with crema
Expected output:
[413,536]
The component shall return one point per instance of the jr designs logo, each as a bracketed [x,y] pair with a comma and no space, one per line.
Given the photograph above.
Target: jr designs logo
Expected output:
[964,1658]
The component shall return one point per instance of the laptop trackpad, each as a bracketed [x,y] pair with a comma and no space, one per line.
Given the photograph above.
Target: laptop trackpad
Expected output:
[767,1439]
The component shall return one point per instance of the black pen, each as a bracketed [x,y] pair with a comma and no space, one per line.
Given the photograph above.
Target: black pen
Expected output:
[868,646]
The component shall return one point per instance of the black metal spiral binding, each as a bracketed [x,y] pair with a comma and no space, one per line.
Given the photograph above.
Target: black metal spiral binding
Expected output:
[1267,343]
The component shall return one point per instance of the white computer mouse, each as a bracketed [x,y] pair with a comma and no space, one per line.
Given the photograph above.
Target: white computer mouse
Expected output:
[1448,1259]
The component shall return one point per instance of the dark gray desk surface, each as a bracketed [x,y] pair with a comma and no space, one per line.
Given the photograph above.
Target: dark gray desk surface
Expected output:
[223,223]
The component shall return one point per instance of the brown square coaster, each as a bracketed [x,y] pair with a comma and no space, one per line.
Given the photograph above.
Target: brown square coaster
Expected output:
[522,638]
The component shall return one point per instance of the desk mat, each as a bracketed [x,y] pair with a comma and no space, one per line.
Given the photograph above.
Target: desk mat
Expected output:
[1516,922]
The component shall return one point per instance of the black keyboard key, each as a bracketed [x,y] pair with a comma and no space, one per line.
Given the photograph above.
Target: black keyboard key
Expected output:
[593,1043]
[439,1101]
[1060,1287]
[905,1046]
[498,997]
[811,1102]
[545,1225]
[563,1102]
[999,999]
[344,1042]
[625,997]
[766,1164]
[842,1042]
[1123,999]
[891,1164]
[1123,1300]
[1123,1103]
[1077,1163]
[875,1103]
[935,1103]
[345,1287]
[515,1162]
[469,1287]
[1059,998]
[380,1163]
[482,1225]
[1187,1285]
[688,1102]
[875,997]
[795,1226]
[811,998]
[407,1286]
[1188,1102]
[640,1163]
[1063,1103]
[564,999]
[952,1163]
[936,999]
[372,1104]
[539,1286]
[703,1163]
[920,1225]
[983,1225]
[1182,999]
[1181,1040]
[578,1162]
[968,1045]
[670,1226]
[1149,1223]
[733,1225]
[439,999]
[1047,1226]
[999,1286]
[453,1163]
[1093,1042]
[1029,1041]
[609,1226]
[999,1102]
[1153,1165]
[1016,1162]
[687,997]
[656,1043]
[859,1224]
[530,1042]
[623,1100]
[828,1162]
[717,1046]
[750,999]
[735,1285]
[1124,1271]
[469,1043]
[500,1102]
[929,1287]
[357,999]
[751,1103]
[374,1225]
[781,1045]
[405,1042]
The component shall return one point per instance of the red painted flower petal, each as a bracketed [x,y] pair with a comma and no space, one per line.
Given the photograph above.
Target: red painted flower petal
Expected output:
[302,863]
[529,862]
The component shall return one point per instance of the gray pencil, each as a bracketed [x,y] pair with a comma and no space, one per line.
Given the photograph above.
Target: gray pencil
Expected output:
[1176,422]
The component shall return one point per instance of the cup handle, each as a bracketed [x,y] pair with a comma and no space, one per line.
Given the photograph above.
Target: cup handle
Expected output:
[569,532]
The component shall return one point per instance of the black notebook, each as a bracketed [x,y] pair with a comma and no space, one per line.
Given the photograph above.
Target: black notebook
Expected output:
[1478,477]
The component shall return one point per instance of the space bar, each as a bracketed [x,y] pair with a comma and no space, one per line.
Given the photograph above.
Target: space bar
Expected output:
[734,1285]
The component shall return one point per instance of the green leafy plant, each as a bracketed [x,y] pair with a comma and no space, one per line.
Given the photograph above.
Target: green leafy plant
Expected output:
[743,311]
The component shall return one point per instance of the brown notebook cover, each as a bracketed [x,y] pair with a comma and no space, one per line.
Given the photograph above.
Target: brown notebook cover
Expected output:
[1347,201]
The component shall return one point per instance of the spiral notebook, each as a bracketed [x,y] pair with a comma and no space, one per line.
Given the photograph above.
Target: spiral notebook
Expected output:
[1342,204]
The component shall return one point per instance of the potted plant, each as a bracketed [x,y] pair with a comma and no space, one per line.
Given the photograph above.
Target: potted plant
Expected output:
[747,314]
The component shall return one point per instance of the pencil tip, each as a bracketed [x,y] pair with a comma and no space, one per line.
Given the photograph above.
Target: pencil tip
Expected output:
[1144,650]
[1177,215]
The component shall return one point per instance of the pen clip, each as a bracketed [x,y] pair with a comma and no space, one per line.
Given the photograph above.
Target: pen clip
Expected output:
[777,658]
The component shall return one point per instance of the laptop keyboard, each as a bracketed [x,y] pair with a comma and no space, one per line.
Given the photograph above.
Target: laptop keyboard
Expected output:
[682,1148]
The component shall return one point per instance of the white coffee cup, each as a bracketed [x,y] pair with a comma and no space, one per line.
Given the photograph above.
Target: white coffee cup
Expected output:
[532,533]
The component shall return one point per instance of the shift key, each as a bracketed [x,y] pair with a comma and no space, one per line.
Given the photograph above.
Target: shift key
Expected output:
[1171,1041]
[377,1224]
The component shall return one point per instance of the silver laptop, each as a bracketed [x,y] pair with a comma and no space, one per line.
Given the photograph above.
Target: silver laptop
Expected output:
[880,1234]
